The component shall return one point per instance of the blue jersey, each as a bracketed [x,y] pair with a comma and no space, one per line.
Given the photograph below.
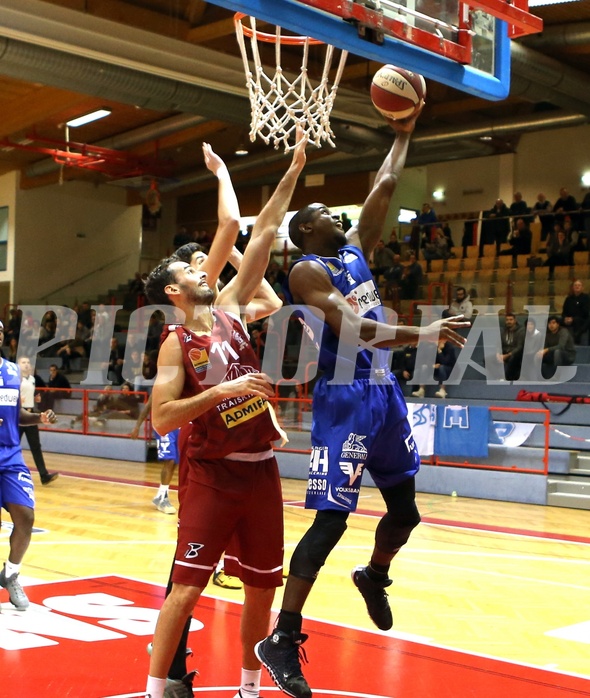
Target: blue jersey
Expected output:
[350,274]
[361,425]
[9,413]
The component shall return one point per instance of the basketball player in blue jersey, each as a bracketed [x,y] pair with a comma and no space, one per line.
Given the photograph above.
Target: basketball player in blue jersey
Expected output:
[17,493]
[359,413]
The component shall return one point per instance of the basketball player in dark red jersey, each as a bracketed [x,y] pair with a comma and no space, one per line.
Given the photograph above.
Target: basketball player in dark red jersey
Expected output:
[265,303]
[207,375]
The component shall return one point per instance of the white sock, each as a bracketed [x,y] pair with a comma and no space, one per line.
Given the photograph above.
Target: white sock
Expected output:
[163,491]
[11,568]
[250,684]
[155,687]
[219,567]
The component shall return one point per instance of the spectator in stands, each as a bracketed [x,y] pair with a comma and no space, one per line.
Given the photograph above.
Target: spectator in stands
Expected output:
[520,240]
[126,404]
[30,400]
[533,344]
[393,277]
[181,237]
[134,367]
[543,209]
[155,327]
[427,223]
[394,244]
[438,249]
[558,348]
[576,312]
[574,238]
[85,314]
[411,278]
[403,363]
[47,331]
[115,367]
[510,354]
[460,305]
[12,350]
[558,251]
[585,215]
[448,233]
[74,348]
[60,387]
[519,207]
[427,216]
[275,276]
[383,260]
[136,285]
[565,204]
[149,366]
[498,224]
[13,326]
[446,357]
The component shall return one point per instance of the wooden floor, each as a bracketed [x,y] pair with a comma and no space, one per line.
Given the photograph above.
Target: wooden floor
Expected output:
[505,580]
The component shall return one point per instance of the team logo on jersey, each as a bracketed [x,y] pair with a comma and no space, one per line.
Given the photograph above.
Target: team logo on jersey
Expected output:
[336,271]
[364,297]
[199,359]
[354,448]
[9,397]
[350,278]
[239,339]
[352,472]
[239,411]
[193,550]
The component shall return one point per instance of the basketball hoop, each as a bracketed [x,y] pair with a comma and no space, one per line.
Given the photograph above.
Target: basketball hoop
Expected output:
[279,103]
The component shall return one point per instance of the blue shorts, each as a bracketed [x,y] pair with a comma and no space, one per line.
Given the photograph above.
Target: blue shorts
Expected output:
[168,446]
[356,427]
[16,485]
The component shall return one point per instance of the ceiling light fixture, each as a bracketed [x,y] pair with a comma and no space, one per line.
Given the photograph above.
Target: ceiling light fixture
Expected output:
[241,150]
[88,118]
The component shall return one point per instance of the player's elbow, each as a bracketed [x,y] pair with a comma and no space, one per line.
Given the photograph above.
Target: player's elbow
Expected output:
[274,305]
[160,423]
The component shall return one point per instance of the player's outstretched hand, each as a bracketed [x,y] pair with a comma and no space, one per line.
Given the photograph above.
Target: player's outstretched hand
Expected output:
[249,384]
[213,162]
[444,329]
[48,417]
[406,125]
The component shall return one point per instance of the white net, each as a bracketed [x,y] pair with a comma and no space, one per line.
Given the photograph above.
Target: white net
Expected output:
[279,103]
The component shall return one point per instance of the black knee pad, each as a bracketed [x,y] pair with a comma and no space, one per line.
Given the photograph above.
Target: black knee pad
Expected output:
[401,518]
[315,546]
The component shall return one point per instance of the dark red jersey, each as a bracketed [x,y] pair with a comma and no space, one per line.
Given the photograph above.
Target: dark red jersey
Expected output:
[239,424]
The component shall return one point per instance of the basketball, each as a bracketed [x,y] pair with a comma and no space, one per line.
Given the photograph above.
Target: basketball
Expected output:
[397,92]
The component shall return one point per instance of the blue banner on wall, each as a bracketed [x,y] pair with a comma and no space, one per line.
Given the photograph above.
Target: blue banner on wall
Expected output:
[461,431]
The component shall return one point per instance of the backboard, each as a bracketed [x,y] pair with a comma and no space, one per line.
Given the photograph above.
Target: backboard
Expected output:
[465,45]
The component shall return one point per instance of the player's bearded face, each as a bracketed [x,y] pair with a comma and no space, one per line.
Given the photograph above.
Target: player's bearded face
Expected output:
[198,292]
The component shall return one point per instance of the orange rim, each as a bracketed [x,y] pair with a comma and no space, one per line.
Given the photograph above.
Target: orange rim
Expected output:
[272,38]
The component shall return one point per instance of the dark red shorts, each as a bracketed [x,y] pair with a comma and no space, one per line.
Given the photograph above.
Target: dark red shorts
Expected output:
[236,507]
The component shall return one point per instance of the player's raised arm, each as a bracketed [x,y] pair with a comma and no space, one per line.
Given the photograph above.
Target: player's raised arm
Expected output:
[376,206]
[265,301]
[257,254]
[228,217]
